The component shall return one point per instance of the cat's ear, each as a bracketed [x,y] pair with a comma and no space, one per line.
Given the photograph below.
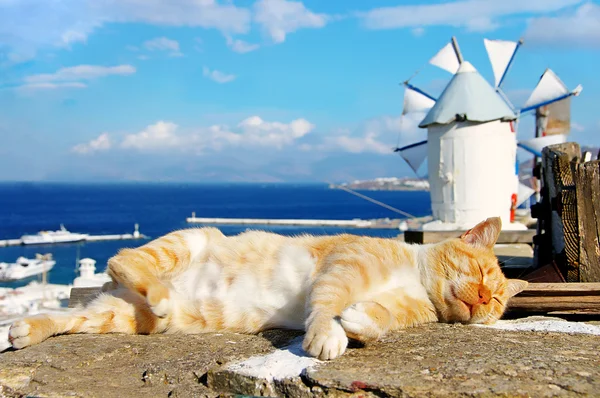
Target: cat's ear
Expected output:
[485,234]
[516,286]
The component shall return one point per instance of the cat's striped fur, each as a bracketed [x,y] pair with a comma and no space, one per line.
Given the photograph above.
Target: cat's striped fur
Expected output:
[334,287]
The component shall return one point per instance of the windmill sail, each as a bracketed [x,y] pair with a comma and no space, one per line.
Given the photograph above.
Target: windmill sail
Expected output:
[501,54]
[523,193]
[414,154]
[536,145]
[414,101]
[549,89]
[446,59]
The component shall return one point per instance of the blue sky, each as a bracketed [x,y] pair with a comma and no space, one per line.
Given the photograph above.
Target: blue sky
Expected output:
[266,90]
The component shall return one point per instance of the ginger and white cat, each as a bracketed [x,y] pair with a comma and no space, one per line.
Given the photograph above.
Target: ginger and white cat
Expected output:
[334,287]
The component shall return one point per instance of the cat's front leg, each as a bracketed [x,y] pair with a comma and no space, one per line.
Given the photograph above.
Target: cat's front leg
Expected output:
[330,293]
[325,337]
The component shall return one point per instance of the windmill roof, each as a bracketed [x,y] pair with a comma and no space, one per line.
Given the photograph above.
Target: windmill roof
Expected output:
[468,96]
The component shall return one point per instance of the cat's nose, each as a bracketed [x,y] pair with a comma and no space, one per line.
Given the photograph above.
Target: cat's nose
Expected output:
[484,295]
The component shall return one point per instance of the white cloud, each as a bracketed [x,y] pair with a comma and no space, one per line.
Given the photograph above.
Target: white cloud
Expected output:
[161,135]
[577,127]
[164,44]
[273,134]
[580,28]
[30,24]
[481,25]
[218,76]
[81,72]
[367,143]
[418,31]
[49,86]
[164,136]
[102,143]
[250,132]
[280,17]
[378,135]
[240,46]
[475,15]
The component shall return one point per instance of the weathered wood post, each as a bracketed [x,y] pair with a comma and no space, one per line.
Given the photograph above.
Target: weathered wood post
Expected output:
[587,181]
[569,213]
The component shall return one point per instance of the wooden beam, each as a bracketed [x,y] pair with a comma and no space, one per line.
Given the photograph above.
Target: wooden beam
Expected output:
[553,304]
[418,236]
[561,289]
[558,297]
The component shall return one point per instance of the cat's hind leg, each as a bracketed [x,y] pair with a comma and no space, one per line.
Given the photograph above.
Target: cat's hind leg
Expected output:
[148,269]
[122,311]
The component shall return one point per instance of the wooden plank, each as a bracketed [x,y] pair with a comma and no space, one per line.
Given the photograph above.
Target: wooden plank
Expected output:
[82,295]
[555,303]
[553,297]
[417,236]
[562,289]
[588,209]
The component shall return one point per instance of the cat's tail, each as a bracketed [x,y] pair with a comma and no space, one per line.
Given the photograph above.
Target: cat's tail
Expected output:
[120,311]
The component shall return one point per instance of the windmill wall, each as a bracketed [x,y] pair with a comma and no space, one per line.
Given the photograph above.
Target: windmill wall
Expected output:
[472,173]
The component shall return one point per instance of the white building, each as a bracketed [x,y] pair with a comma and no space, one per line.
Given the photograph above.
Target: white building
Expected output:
[471,154]
[471,143]
[87,275]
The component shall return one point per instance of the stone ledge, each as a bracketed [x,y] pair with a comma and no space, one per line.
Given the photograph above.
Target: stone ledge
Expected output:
[436,360]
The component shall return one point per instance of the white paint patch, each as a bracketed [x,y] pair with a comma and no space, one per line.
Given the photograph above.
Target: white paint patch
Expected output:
[559,326]
[290,361]
[4,344]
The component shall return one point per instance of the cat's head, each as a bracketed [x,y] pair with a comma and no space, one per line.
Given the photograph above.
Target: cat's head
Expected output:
[470,286]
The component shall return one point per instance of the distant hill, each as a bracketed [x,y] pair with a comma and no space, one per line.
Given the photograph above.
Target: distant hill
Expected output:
[387,184]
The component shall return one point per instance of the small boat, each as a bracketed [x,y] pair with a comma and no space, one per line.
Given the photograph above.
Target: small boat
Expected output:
[26,267]
[49,237]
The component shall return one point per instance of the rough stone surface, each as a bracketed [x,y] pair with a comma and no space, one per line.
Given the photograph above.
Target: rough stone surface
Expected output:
[436,360]
[106,366]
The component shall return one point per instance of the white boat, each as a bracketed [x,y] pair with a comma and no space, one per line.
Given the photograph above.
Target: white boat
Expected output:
[26,267]
[49,237]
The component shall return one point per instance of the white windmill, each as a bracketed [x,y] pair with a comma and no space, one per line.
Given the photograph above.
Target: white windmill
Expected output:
[471,141]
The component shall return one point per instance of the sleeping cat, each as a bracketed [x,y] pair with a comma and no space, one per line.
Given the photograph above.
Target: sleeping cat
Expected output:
[334,287]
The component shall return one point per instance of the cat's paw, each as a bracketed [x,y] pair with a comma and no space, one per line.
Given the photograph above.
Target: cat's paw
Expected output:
[363,321]
[325,339]
[27,332]
[162,309]
[159,301]
[18,335]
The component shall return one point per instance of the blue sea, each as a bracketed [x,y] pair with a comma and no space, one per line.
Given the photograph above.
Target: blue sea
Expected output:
[27,208]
